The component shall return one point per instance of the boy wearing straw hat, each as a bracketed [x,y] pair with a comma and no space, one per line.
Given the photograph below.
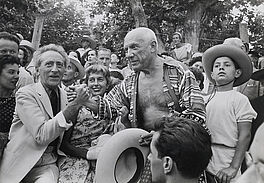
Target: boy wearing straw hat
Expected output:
[229,113]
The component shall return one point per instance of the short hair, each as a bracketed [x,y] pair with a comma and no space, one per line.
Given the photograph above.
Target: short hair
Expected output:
[198,76]
[10,37]
[97,68]
[187,142]
[104,49]
[8,59]
[51,47]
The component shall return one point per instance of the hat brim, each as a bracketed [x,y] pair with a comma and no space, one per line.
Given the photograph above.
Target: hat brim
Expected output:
[122,159]
[258,75]
[88,38]
[236,54]
[79,66]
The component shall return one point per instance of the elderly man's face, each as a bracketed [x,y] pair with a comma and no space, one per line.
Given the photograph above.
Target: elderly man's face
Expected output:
[138,51]
[70,73]
[51,69]
[8,47]
[104,57]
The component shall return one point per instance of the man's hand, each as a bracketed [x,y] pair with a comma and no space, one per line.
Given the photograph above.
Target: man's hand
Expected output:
[226,174]
[82,95]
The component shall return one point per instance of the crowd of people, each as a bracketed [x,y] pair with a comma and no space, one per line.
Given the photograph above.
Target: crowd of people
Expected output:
[201,110]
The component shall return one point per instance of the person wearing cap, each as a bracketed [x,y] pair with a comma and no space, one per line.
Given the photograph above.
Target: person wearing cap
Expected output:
[181,51]
[229,113]
[87,44]
[74,71]
[180,151]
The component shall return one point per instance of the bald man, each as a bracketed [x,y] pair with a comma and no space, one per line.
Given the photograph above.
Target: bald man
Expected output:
[156,87]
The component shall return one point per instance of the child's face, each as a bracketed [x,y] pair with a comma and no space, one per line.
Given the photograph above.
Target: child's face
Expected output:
[224,71]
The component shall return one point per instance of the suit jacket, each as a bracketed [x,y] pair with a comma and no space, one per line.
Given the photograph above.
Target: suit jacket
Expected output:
[33,128]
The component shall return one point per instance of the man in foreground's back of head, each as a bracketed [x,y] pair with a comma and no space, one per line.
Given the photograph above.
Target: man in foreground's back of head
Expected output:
[180,151]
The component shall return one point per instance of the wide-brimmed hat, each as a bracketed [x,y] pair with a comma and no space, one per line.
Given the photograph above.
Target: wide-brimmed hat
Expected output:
[122,159]
[27,44]
[233,52]
[79,66]
[258,75]
[87,38]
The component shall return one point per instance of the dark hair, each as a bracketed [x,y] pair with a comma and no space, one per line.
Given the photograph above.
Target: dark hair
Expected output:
[8,59]
[8,36]
[194,60]
[198,76]
[26,54]
[186,142]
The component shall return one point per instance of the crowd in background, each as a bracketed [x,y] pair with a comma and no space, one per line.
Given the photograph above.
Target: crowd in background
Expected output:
[216,89]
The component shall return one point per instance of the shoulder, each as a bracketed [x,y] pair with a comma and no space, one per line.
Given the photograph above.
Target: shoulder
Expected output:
[172,63]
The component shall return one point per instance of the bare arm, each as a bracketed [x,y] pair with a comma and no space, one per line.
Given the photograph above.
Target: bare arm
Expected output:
[226,174]
[70,149]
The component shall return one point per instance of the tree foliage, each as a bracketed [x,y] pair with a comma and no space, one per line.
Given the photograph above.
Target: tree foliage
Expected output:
[167,16]
[62,25]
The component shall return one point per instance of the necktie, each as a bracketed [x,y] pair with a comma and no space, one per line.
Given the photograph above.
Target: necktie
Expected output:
[55,108]
[54,102]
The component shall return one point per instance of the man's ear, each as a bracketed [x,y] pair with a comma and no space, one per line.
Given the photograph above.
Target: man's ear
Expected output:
[238,73]
[167,164]
[153,45]
[76,74]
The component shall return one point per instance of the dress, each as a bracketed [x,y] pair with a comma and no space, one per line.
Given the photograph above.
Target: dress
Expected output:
[87,129]
[181,53]
[224,111]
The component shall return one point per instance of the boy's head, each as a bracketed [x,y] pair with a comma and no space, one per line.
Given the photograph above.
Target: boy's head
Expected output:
[225,64]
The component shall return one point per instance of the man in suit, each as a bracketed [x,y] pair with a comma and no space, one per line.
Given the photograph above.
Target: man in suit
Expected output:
[41,117]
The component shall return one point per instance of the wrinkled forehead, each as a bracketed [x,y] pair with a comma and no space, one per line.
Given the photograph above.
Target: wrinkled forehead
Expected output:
[136,36]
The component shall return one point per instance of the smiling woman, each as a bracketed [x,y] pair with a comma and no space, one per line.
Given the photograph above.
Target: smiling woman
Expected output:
[8,79]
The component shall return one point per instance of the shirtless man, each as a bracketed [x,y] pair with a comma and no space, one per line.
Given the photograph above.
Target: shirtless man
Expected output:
[145,92]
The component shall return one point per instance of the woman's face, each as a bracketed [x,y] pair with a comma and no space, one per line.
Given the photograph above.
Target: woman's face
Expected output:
[9,76]
[97,84]
[176,38]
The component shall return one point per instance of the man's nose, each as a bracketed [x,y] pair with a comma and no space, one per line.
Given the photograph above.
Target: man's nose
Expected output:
[54,68]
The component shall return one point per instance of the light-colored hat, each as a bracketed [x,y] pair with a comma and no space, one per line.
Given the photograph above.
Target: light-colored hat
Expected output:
[233,52]
[87,38]
[122,159]
[27,44]
[79,66]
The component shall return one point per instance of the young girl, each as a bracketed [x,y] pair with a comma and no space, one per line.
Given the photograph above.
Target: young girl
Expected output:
[229,113]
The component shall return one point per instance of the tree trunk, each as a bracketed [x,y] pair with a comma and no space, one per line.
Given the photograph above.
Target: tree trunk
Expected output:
[138,13]
[37,31]
[193,25]
[141,20]
[193,21]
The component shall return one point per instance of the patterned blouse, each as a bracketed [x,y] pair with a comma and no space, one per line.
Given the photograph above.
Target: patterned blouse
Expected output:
[7,108]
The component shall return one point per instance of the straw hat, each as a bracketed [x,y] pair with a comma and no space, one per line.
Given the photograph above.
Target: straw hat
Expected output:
[122,159]
[27,44]
[233,52]
[79,66]
[87,38]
